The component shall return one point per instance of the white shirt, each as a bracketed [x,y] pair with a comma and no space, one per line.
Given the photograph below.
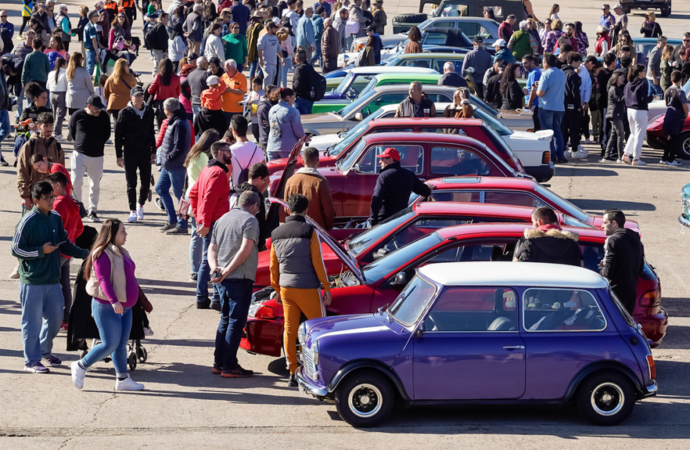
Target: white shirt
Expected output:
[242,158]
[61,85]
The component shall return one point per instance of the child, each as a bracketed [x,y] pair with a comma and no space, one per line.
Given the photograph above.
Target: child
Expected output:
[211,116]
[254,97]
[211,97]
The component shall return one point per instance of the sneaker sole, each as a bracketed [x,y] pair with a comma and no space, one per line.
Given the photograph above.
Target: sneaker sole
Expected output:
[230,375]
[26,369]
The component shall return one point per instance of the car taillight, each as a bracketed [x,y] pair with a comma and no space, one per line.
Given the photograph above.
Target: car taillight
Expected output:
[546,158]
[651,299]
[652,367]
[264,312]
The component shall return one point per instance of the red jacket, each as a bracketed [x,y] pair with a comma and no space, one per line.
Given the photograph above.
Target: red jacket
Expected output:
[210,195]
[165,92]
[164,126]
[60,168]
[69,212]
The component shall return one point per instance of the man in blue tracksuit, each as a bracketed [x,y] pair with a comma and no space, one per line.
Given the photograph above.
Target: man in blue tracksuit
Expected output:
[37,238]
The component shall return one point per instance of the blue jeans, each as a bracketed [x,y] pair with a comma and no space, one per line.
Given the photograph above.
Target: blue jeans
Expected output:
[317,56]
[196,250]
[114,331]
[165,180]
[90,61]
[40,301]
[254,69]
[235,298]
[551,120]
[20,104]
[204,273]
[283,74]
[195,110]
[303,106]
[654,89]
[4,127]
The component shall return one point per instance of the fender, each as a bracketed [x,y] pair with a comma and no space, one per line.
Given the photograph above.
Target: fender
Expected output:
[602,365]
[368,364]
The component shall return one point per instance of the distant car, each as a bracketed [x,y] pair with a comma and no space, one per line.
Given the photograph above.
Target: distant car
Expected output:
[486,334]
[684,217]
[434,61]
[655,135]
[664,6]
[357,79]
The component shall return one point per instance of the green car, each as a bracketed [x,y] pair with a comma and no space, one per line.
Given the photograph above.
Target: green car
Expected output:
[326,106]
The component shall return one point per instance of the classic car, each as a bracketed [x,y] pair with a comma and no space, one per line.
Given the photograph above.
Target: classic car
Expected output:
[664,6]
[656,137]
[359,289]
[357,79]
[657,109]
[504,191]
[684,217]
[483,333]
[428,155]
[531,148]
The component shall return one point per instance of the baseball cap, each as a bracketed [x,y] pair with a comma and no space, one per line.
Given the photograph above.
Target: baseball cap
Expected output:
[136,90]
[212,80]
[257,14]
[478,40]
[95,101]
[500,43]
[618,6]
[605,5]
[390,152]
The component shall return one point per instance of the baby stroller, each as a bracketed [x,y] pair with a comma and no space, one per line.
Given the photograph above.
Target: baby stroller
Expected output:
[82,326]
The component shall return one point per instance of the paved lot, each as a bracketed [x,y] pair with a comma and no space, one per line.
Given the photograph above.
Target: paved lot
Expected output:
[185,406]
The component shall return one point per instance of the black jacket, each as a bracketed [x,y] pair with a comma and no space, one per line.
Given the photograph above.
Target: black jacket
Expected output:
[452,79]
[514,97]
[392,192]
[573,82]
[261,216]
[623,263]
[603,78]
[194,85]
[90,132]
[262,110]
[553,246]
[303,81]
[136,135]
[636,94]
[492,93]
[616,103]
[157,38]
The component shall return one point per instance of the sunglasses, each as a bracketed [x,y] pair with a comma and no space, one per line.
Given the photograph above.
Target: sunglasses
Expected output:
[48,199]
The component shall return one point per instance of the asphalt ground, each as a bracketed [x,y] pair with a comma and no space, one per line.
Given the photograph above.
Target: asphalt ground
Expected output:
[185,406]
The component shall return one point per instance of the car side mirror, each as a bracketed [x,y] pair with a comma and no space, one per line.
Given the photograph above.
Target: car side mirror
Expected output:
[400,279]
[419,331]
[359,117]
[356,168]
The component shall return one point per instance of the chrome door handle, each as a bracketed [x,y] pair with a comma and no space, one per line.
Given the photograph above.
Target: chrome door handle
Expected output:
[514,347]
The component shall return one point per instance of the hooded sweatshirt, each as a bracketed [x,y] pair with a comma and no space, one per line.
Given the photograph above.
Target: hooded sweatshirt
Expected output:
[623,263]
[549,244]
[636,94]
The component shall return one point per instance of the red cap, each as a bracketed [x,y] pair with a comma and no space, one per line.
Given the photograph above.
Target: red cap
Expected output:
[390,152]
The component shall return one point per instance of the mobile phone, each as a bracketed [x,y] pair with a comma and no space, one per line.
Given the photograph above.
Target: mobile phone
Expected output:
[60,243]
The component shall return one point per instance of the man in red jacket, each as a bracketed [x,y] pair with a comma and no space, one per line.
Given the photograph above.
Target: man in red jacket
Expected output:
[69,212]
[210,200]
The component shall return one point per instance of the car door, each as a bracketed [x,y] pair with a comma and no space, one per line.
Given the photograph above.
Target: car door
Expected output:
[469,347]
[383,100]
[448,160]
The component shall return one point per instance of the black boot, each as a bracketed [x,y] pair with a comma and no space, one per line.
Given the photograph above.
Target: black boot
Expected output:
[292,381]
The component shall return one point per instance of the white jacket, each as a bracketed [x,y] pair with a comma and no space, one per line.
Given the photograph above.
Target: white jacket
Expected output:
[61,85]
[176,48]
[214,47]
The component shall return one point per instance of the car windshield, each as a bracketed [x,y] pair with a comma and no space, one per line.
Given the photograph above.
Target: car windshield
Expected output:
[360,243]
[478,103]
[490,120]
[412,301]
[573,222]
[369,87]
[686,89]
[394,61]
[399,258]
[345,83]
[563,204]
[349,159]
[353,134]
[357,105]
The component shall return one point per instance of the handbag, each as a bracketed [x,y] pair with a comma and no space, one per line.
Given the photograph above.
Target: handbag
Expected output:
[184,205]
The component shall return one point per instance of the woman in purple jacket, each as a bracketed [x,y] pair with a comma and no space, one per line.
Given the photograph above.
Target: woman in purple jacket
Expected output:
[109,272]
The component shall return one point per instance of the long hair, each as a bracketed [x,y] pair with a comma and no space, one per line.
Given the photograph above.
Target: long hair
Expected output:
[668,52]
[614,79]
[166,71]
[554,8]
[506,78]
[635,71]
[119,70]
[59,64]
[578,28]
[415,35]
[58,40]
[76,60]
[115,22]
[105,236]
[203,145]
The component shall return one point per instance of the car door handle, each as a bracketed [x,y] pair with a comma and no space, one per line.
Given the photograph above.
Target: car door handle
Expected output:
[514,347]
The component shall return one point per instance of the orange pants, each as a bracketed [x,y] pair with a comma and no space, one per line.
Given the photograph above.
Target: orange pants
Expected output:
[295,302]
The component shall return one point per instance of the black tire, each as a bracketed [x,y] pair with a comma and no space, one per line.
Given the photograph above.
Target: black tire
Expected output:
[365,398]
[142,355]
[684,146]
[666,11]
[606,398]
[132,361]
[410,18]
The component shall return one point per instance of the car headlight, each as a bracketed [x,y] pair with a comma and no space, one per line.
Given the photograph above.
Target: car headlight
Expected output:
[315,353]
[302,333]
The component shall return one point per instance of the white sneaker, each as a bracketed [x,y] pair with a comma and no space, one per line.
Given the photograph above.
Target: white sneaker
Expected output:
[148,331]
[78,375]
[15,272]
[661,161]
[638,162]
[128,384]
[578,155]
[140,212]
[674,163]
[132,217]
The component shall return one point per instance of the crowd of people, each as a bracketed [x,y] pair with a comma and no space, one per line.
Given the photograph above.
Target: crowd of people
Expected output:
[190,126]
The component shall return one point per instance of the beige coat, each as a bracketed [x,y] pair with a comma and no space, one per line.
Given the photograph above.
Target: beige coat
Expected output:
[117,275]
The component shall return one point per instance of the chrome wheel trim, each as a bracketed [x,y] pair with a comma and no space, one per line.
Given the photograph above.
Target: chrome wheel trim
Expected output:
[365,400]
[607,399]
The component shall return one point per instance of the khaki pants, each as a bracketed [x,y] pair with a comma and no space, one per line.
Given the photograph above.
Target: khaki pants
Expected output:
[306,50]
[295,302]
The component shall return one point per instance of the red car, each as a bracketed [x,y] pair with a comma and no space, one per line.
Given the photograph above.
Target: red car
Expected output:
[656,137]
[362,290]
[508,191]
[429,155]
[473,128]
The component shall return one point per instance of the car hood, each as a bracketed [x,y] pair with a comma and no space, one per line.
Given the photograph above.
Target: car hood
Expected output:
[525,141]
[387,41]
[320,118]
[324,141]
[346,327]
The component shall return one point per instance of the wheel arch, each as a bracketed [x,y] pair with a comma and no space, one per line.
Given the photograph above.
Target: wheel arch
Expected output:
[601,366]
[371,364]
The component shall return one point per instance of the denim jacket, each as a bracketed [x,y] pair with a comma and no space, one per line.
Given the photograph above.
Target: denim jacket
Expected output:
[286,128]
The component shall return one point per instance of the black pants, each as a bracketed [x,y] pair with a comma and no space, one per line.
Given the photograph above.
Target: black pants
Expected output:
[25,20]
[66,45]
[255,131]
[480,91]
[616,145]
[329,65]
[142,162]
[584,124]
[115,113]
[671,149]
[570,127]
[535,119]
[176,66]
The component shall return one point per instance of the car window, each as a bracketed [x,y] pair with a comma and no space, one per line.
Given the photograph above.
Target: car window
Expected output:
[511,198]
[445,24]
[440,98]
[484,33]
[457,161]
[453,130]
[458,196]
[361,242]
[552,310]
[411,157]
[412,301]
[382,100]
[425,63]
[471,29]
[473,310]
[476,252]
[392,130]
[434,39]
[400,258]
[456,62]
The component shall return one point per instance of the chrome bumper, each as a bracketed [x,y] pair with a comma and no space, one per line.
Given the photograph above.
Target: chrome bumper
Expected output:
[684,220]
[651,390]
[307,387]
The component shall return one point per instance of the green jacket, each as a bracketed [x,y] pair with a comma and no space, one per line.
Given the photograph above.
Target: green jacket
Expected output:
[35,229]
[235,48]
[36,68]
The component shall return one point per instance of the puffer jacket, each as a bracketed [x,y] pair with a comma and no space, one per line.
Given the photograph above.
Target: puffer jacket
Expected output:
[553,246]
[408,108]
[616,103]
[27,177]
[623,263]
[176,141]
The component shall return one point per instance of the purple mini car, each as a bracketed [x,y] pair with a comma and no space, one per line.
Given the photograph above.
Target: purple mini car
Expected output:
[483,333]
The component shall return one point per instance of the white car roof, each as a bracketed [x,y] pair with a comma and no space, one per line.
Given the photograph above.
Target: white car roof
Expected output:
[439,106]
[498,273]
[375,70]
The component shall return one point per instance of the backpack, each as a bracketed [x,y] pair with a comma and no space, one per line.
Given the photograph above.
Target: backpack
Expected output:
[244,173]
[319,87]
[52,57]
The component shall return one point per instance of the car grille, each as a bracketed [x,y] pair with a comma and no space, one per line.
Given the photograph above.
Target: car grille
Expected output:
[309,367]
